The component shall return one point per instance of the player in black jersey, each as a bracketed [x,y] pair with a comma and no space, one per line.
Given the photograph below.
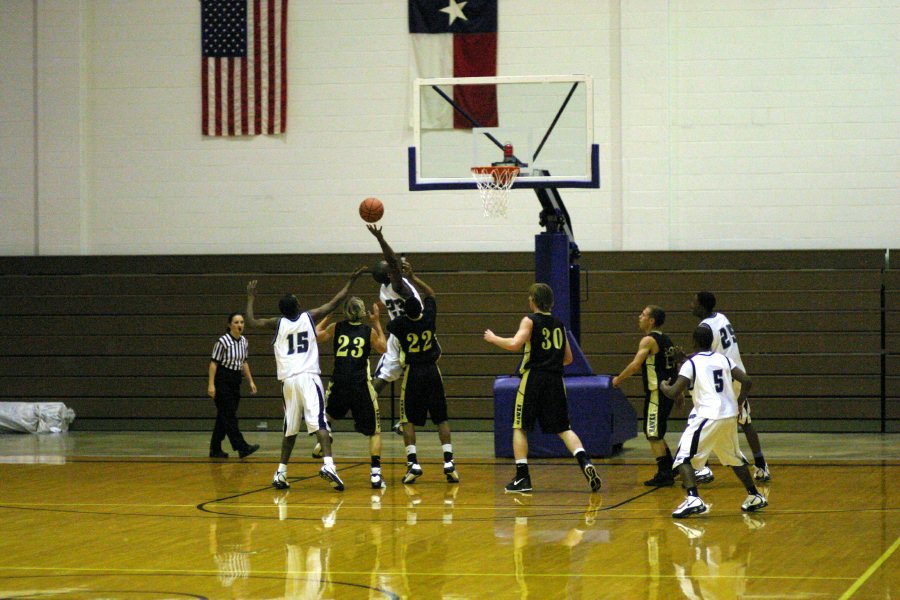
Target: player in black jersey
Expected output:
[350,388]
[542,392]
[656,360]
[422,387]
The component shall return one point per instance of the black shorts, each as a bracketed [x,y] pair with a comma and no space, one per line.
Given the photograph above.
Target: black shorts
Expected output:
[541,397]
[657,407]
[422,394]
[358,398]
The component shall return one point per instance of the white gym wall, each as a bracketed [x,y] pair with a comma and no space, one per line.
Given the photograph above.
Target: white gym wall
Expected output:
[751,125]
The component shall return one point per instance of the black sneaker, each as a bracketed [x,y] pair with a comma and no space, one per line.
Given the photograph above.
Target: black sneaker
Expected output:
[398,428]
[217,454]
[590,473]
[660,480]
[519,485]
[248,450]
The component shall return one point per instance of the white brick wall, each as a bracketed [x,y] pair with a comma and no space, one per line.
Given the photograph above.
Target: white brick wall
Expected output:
[721,125]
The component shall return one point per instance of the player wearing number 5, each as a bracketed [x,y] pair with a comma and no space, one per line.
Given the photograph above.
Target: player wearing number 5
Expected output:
[297,360]
[350,388]
[725,342]
[542,392]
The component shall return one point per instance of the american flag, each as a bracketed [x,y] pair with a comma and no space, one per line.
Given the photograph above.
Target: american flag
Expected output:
[244,67]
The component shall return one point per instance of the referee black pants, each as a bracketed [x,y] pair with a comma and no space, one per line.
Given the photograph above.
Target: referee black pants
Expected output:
[228,396]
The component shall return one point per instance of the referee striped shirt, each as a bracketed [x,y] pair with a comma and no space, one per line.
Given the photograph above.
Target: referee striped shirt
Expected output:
[230,353]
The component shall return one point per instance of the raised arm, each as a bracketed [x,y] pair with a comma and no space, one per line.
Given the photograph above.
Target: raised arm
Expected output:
[328,307]
[514,343]
[325,329]
[251,319]
[394,266]
[378,340]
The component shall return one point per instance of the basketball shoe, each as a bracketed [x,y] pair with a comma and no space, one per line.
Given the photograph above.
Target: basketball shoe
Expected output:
[377,481]
[692,505]
[280,480]
[413,472]
[451,472]
[704,475]
[331,476]
[519,485]
[660,480]
[754,502]
[590,473]
[762,475]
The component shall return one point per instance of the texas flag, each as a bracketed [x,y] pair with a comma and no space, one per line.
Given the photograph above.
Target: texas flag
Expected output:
[453,38]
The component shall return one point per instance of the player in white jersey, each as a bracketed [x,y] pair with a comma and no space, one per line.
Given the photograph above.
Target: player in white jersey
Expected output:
[712,426]
[297,360]
[725,342]
[394,290]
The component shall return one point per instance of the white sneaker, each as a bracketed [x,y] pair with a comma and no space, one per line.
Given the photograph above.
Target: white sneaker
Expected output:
[762,475]
[377,481]
[754,502]
[692,505]
[451,472]
[413,472]
[317,451]
[331,476]
[704,475]
[280,480]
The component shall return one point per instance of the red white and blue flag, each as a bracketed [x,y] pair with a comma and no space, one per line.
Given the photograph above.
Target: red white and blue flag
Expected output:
[454,38]
[244,67]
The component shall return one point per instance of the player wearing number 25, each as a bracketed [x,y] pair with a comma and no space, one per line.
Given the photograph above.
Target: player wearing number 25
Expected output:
[297,361]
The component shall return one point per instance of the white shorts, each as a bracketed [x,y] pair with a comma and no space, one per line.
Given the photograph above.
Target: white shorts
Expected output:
[303,399]
[702,437]
[389,367]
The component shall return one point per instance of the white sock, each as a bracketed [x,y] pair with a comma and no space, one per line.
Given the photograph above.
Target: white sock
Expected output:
[447,447]
[282,468]
[577,450]
[376,470]
[411,449]
[521,461]
[329,461]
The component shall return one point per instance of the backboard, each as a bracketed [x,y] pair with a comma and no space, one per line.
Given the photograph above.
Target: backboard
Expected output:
[465,122]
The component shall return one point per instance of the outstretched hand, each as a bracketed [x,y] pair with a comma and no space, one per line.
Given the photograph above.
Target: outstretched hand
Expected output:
[359,271]
[489,336]
[251,288]
[375,313]
[375,230]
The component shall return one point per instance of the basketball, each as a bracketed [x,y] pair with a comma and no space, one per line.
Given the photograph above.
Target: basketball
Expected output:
[371,210]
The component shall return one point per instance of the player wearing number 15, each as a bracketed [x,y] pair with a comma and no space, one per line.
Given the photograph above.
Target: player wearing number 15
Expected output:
[542,392]
[297,361]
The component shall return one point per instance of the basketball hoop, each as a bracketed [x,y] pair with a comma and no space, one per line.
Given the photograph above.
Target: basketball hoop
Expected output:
[494,183]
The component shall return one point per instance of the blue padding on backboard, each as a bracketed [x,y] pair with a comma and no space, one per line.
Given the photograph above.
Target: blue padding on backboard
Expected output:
[520,183]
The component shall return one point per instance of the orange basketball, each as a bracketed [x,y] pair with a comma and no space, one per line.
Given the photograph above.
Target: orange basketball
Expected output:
[371,210]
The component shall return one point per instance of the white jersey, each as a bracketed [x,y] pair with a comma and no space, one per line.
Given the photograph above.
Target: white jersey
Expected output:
[710,377]
[295,346]
[724,340]
[394,301]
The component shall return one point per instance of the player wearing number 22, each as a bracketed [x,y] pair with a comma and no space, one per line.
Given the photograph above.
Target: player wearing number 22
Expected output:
[422,387]
[542,392]
[297,361]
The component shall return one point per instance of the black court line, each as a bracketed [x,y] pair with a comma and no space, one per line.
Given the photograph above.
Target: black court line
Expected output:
[44,593]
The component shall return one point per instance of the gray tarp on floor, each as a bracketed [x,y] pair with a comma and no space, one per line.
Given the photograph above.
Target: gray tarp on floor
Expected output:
[35,417]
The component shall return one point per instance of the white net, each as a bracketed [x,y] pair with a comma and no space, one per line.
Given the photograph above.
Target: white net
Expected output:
[494,183]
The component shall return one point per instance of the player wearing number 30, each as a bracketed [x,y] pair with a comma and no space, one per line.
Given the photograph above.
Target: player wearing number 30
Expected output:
[297,360]
[542,392]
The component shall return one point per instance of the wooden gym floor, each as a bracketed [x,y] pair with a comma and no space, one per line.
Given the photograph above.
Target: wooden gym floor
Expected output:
[146,515]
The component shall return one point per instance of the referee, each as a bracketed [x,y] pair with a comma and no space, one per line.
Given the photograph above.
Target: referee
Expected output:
[226,369]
